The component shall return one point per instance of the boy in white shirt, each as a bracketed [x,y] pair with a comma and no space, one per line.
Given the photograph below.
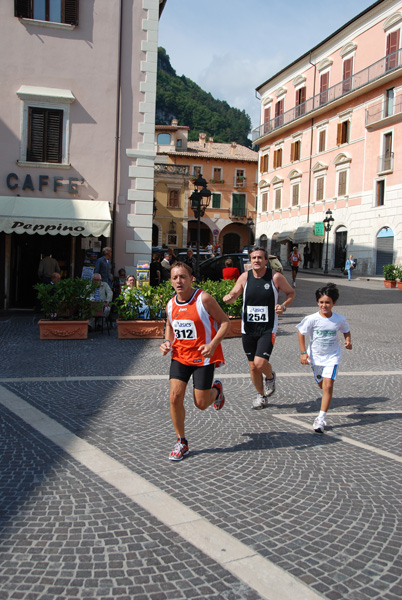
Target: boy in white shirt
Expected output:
[324,351]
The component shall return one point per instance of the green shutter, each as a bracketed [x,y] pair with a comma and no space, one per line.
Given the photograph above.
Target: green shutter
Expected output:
[239,205]
[216,200]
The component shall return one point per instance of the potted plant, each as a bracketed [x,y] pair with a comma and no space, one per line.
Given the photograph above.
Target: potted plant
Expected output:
[67,307]
[219,289]
[390,275]
[142,311]
[398,272]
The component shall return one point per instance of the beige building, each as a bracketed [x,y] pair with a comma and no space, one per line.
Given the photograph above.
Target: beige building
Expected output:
[77,129]
[230,171]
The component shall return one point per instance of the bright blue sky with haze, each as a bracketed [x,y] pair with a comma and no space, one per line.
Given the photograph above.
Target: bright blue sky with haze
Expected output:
[230,47]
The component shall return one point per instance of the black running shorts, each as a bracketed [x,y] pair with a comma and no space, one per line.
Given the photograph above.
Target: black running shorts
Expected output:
[261,346]
[203,376]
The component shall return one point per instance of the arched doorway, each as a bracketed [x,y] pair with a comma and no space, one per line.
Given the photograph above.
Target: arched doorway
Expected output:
[385,249]
[231,243]
[205,234]
[275,245]
[341,238]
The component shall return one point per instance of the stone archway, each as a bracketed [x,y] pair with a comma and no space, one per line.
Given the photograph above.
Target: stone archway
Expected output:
[384,249]
[231,243]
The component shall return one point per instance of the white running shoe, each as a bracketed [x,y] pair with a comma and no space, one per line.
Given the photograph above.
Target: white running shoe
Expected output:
[319,424]
[270,385]
[260,402]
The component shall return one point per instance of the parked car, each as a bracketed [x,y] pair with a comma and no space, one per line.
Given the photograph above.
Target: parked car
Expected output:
[212,268]
[203,255]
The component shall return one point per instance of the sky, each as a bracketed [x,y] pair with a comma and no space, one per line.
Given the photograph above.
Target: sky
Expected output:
[230,47]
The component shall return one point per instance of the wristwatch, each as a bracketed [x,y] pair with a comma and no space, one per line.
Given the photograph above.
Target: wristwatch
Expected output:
[284,307]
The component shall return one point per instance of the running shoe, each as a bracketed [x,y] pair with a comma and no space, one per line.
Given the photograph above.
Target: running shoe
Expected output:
[319,424]
[260,402]
[179,451]
[270,385]
[220,399]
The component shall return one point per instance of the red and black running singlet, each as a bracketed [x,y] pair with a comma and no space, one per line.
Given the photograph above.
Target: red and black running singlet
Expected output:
[259,299]
[192,326]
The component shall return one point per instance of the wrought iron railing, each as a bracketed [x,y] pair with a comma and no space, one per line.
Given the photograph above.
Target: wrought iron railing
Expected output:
[384,109]
[239,212]
[378,69]
[172,169]
[386,162]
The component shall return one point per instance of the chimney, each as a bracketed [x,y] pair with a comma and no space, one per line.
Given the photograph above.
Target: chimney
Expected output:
[210,142]
[233,148]
[175,122]
[201,139]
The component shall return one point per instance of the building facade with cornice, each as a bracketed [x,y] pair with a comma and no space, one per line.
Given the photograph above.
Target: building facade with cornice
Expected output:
[330,139]
[230,171]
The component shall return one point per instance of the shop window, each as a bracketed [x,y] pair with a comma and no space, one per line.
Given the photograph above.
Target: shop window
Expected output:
[54,11]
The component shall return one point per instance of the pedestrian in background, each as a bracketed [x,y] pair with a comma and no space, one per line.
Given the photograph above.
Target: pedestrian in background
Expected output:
[350,264]
[294,259]
[324,351]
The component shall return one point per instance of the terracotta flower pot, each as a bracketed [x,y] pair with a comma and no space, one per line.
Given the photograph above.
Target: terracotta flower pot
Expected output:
[389,284]
[399,285]
[63,330]
[235,327]
[129,330]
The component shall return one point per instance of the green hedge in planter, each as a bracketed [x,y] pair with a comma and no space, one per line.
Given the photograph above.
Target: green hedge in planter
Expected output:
[390,272]
[68,299]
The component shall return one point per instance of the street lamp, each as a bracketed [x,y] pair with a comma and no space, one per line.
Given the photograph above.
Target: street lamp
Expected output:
[250,224]
[199,203]
[327,227]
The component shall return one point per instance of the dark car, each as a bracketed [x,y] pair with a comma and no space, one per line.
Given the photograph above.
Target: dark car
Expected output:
[212,268]
[203,255]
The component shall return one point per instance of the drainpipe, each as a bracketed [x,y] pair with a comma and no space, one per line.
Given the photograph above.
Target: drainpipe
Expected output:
[311,146]
[117,135]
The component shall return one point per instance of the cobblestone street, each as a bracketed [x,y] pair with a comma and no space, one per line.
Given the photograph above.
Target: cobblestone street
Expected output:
[262,507]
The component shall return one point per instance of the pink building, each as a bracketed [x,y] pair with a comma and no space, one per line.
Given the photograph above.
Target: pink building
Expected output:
[77,127]
[330,139]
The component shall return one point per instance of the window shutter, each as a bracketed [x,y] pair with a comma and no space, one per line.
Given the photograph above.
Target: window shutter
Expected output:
[292,152]
[320,188]
[264,202]
[392,47]
[23,9]
[35,151]
[342,183]
[321,143]
[339,134]
[54,136]
[71,12]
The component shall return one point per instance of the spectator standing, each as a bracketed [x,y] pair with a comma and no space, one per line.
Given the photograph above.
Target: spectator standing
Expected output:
[47,266]
[349,266]
[230,272]
[103,266]
[155,270]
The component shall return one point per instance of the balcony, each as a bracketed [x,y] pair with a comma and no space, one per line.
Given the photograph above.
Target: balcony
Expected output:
[172,169]
[387,65]
[386,163]
[384,113]
[238,212]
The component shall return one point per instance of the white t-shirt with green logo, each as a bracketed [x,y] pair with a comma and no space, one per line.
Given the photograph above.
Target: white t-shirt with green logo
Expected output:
[324,348]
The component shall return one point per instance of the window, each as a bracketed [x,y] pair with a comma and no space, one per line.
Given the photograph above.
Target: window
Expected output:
[197,171]
[45,135]
[173,199]
[240,178]
[389,102]
[347,75]
[264,202]
[264,163]
[279,113]
[380,192]
[179,143]
[295,151]
[267,118]
[342,181]
[217,174]
[300,101]
[216,200]
[278,158]
[322,140]
[295,194]
[238,205]
[45,125]
[342,136]
[392,60]
[319,190]
[55,11]
[324,85]
[164,139]
[278,198]
[388,154]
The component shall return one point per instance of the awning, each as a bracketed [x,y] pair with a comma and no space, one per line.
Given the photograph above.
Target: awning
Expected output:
[284,237]
[54,216]
[305,234]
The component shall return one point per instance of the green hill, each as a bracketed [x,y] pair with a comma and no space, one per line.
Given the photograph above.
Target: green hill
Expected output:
[182,99]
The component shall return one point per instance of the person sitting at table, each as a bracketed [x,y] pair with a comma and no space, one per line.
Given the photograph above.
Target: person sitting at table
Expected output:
[103,293]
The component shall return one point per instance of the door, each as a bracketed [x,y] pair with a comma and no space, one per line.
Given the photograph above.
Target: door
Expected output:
[231,243]
[341,237]
[385,249]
